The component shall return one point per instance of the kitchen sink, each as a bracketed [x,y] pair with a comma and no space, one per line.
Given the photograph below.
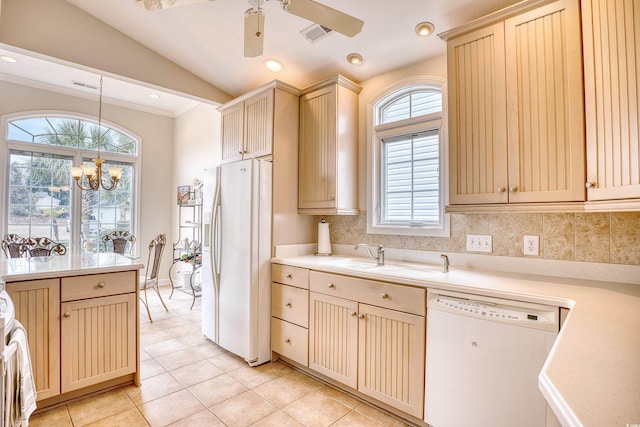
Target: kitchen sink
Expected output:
[389,269]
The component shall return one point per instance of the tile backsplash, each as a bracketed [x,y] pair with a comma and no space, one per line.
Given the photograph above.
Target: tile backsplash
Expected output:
[604,237]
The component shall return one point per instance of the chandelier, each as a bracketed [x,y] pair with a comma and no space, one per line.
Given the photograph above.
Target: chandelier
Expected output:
[93,173]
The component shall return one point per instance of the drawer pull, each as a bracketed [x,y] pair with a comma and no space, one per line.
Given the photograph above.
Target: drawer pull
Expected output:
[101,285]
[289,276]
[384,296]
[361,316]
[288,341]
[67,314]
[289,305]
[331,286]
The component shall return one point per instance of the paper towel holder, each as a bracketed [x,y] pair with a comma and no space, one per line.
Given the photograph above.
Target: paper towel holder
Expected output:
[324,241]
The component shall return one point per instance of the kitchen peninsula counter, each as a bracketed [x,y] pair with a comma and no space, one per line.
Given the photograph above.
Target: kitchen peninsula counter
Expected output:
[80,313]
[591,376]
[18,269]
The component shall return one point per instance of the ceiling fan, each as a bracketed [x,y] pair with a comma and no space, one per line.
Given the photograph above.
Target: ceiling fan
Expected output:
[254,18]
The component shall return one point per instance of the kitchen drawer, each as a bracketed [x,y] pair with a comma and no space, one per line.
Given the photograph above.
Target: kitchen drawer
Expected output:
[381,294]
[288,275]
[97,285]
[290,304]
[289,340]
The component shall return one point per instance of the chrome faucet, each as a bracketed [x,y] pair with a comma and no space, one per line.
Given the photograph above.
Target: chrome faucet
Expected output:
[378,259]
[446,263]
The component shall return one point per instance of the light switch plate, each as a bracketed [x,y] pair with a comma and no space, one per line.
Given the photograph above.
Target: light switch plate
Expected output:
[479,243]
[531,245]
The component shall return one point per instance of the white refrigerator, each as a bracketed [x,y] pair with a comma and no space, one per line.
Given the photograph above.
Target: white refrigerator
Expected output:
[236,266]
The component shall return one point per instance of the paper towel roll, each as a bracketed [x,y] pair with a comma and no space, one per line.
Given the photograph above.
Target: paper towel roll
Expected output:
[324,241]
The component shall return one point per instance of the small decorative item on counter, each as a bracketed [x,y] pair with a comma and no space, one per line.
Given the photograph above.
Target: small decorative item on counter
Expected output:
[184,192]
[324,241]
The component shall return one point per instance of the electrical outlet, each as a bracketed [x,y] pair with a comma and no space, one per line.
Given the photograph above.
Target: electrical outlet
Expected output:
[531,245]
[479,243]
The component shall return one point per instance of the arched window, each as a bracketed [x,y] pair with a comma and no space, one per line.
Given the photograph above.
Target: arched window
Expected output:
[42,198]
[407,194]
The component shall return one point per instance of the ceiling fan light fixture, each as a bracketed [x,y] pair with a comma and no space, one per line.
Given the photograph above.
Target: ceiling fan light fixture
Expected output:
[273,65]
[354,59]
[424,29]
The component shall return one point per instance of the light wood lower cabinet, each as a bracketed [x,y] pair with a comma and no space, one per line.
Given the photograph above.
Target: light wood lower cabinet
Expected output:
[373,348]
[98,340]
[82,330]
[37,305]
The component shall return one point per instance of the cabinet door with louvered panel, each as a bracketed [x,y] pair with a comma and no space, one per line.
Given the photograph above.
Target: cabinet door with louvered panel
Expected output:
[258,125]
[232,132]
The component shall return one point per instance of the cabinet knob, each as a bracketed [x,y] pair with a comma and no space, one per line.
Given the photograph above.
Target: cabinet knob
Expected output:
[501,189]
[101,285]
[513,189]
[288,305]
[353,313]
[384,296]
[289,276]
[67,314]
[331,286]
[288,340]
[590,185]
[361,316]
[332,198]
[240,152]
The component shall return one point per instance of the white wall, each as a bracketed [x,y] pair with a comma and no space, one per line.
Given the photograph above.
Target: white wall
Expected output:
[196,148]
[156,195]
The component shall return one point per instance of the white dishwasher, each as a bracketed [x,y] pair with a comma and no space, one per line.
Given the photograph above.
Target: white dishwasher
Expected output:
[483,359]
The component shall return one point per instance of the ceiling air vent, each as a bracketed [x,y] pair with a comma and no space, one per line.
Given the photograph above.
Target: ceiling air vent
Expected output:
[86,85]
[315,32]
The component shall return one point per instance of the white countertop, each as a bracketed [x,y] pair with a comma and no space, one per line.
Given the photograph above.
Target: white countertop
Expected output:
[18,269]
[592,375]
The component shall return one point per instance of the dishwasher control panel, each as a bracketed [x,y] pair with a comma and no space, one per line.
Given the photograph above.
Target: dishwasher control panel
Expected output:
[501,310]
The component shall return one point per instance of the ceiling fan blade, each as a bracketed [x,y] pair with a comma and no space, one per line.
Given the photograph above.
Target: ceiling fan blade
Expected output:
[253,33]
[324,15]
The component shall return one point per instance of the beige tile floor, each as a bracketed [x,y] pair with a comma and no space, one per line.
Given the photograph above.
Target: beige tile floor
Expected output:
[189,381]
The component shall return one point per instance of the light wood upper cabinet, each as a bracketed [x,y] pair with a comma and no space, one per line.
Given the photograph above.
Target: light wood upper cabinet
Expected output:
[477,117]
[328,171]
[516,109]
[37,305]
[611,44]
[247,122]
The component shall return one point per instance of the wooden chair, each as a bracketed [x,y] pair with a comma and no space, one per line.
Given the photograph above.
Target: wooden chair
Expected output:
[119,239]
[42,246]
[12,246]
[150,279]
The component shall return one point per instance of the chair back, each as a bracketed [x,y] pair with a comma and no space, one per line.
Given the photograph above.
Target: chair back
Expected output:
[12,246]
[156,247]
[119,240]
[42,246]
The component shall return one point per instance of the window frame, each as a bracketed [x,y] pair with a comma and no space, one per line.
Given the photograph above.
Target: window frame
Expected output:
[79,155]
[376,132]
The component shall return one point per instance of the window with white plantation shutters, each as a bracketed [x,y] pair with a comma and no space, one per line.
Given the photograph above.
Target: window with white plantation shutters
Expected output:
[410,179]
[407,175]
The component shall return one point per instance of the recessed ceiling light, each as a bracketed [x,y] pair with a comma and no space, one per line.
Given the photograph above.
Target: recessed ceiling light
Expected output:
[154,96]
[6,58]
[424,29]
[354,59]
[273,65]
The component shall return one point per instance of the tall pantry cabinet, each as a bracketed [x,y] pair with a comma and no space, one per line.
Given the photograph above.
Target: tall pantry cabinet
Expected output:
[515,106]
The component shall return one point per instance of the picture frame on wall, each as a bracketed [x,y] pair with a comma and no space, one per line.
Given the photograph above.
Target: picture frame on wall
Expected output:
[183,194]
